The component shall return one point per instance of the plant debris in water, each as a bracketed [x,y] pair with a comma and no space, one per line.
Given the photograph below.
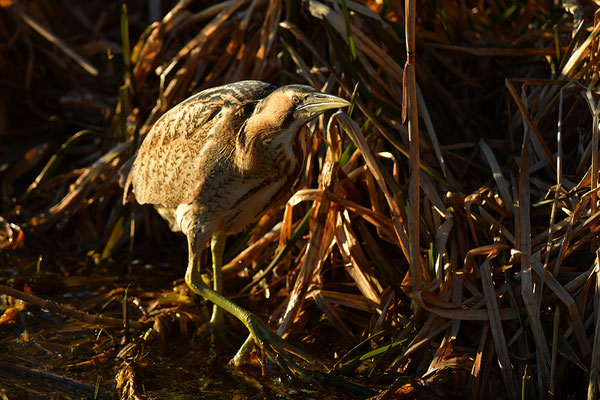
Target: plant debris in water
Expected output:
[442,240]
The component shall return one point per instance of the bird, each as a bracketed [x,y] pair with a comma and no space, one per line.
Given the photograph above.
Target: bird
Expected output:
[214,163]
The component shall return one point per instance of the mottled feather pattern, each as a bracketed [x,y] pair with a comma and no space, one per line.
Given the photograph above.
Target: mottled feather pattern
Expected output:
[169,165]
[218,160]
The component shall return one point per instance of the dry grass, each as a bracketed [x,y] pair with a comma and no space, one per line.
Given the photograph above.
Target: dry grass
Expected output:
[460,248]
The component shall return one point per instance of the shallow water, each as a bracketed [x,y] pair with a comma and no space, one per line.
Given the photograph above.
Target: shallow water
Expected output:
[47,356]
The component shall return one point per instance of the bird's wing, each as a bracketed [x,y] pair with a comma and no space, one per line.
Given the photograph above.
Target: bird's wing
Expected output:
[169,165]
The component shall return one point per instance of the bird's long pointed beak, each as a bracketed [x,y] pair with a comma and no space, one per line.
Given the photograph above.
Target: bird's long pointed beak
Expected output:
[319,102]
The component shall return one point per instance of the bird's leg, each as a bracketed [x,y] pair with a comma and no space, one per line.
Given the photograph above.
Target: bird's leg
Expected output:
[217,246]
[276,348]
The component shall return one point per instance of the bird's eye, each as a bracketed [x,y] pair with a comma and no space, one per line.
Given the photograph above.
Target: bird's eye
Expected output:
[295,99]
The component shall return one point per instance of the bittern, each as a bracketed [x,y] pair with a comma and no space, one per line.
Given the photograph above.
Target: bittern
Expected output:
[215,162]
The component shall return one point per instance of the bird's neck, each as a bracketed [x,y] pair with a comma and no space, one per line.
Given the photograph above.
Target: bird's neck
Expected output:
[252,146]
[269,148]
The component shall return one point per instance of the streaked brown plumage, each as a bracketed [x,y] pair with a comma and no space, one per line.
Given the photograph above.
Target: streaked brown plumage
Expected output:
[215,162]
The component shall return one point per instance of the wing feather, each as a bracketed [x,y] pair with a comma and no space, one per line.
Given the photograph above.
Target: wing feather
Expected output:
[171,163]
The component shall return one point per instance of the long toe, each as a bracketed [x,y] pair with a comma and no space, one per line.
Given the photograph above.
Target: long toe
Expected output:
[276,349]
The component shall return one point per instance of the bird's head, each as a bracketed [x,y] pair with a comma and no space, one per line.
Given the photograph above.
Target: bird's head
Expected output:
[297,105]
[277,121]
[285,110]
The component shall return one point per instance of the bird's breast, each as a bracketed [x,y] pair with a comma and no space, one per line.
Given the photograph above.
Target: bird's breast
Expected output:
[256,200]
[230,194]
[243,195]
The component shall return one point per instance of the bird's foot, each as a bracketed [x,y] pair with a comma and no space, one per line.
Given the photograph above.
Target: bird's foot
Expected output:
[277,349]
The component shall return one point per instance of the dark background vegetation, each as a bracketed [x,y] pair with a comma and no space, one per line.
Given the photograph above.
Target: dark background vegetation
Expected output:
[506,303]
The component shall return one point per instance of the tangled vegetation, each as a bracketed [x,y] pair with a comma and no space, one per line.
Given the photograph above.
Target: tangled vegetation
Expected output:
[442,240]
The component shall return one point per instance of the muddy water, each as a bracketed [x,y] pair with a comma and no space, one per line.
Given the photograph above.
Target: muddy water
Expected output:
[48,356]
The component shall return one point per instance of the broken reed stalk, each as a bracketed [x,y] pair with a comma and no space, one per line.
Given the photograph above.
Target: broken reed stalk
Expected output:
[58,308]
[410,111]
[528,289]
[595,110]
[89,68]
